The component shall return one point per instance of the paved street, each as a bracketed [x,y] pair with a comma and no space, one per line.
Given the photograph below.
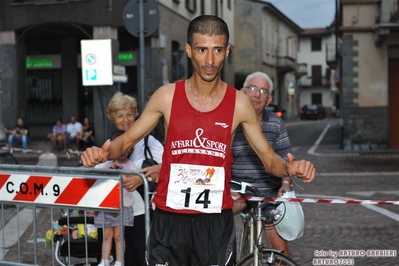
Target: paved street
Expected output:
[340,227]
[348,227]
[329,227]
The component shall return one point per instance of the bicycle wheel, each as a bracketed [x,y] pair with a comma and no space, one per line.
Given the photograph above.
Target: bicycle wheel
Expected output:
[10,159]
[268,258]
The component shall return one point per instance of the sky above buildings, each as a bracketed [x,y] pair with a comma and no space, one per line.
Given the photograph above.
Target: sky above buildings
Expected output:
[307,13]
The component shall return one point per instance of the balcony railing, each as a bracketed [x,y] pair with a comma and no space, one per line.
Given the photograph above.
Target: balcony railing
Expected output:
[332,55]
[286,64]
[388,12]
[301,70]
[308,82]
[387,18]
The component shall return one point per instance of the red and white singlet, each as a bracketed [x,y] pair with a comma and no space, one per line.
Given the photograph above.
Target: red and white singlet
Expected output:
[195,172]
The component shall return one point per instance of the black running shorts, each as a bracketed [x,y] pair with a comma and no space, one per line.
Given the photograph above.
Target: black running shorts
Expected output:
[190,239]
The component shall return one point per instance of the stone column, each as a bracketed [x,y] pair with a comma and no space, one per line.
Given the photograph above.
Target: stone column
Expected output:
[12,65]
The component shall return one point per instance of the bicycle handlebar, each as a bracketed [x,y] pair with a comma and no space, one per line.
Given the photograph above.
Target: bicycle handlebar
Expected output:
[244,186]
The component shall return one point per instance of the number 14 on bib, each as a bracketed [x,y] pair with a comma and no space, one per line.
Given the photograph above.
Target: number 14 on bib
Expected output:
[196,187]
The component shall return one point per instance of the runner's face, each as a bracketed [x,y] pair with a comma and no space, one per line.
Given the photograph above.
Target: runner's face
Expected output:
[124,119]
[208,54]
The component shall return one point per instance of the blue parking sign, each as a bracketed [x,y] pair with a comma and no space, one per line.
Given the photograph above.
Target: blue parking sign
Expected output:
[91,74]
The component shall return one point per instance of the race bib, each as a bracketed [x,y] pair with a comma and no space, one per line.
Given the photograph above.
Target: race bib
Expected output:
[196,187]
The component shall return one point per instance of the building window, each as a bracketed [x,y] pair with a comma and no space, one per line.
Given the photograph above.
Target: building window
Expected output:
[267,40]
[316,98]
[191,5]
[316,75]
[273,52]
[291,48]
[215,8]
[44,96]
[316,44]
[230,57]
[176,1]
[178,70]
[229,4]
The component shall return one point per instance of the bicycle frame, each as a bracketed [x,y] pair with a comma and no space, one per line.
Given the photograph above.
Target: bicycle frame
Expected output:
[248,231]
[259,234]
[258,254]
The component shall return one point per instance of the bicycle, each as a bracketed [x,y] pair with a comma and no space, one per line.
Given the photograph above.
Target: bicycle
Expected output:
[252,251]
[7,156]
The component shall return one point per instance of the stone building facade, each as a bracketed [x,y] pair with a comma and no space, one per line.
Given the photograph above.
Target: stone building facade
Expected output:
[40,56]
[267,41]
[370,74]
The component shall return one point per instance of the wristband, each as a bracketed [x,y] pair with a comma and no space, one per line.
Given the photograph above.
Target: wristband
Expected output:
[286,182]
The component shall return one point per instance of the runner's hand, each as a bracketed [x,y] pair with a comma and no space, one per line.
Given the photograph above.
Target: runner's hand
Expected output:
[95,155]
[302,169]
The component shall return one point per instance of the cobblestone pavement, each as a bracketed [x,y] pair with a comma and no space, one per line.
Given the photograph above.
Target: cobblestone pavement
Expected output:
[348,227]
[342,227]
[328,227]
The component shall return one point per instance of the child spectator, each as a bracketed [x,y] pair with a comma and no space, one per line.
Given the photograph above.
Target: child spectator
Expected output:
[110,222]
[80,230]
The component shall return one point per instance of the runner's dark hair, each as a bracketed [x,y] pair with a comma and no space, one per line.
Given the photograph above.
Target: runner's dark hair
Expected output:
[207,25]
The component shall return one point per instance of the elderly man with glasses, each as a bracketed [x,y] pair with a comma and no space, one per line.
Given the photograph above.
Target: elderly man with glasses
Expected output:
[247,167]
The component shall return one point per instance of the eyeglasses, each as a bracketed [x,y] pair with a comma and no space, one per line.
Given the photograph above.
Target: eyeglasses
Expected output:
[252,89]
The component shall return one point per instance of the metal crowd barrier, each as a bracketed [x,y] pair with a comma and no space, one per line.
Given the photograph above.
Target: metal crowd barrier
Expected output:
[32,196]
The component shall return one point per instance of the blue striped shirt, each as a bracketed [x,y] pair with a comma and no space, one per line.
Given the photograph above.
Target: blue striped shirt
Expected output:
[248,167]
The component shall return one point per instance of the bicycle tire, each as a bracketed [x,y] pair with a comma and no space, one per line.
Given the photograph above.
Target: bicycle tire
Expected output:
[278,259]
[10,159]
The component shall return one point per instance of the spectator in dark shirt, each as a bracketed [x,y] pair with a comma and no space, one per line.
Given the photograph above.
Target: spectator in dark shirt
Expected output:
[20,134]
[86,134]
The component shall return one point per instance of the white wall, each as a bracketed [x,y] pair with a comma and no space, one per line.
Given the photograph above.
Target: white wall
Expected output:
[305,55]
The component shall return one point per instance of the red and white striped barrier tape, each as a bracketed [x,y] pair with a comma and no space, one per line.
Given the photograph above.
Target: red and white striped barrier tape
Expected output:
[318,200]
[60,190]
[12,149]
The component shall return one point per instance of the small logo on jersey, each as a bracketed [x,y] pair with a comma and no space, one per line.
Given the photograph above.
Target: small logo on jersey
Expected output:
[208,176]
[223,125]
